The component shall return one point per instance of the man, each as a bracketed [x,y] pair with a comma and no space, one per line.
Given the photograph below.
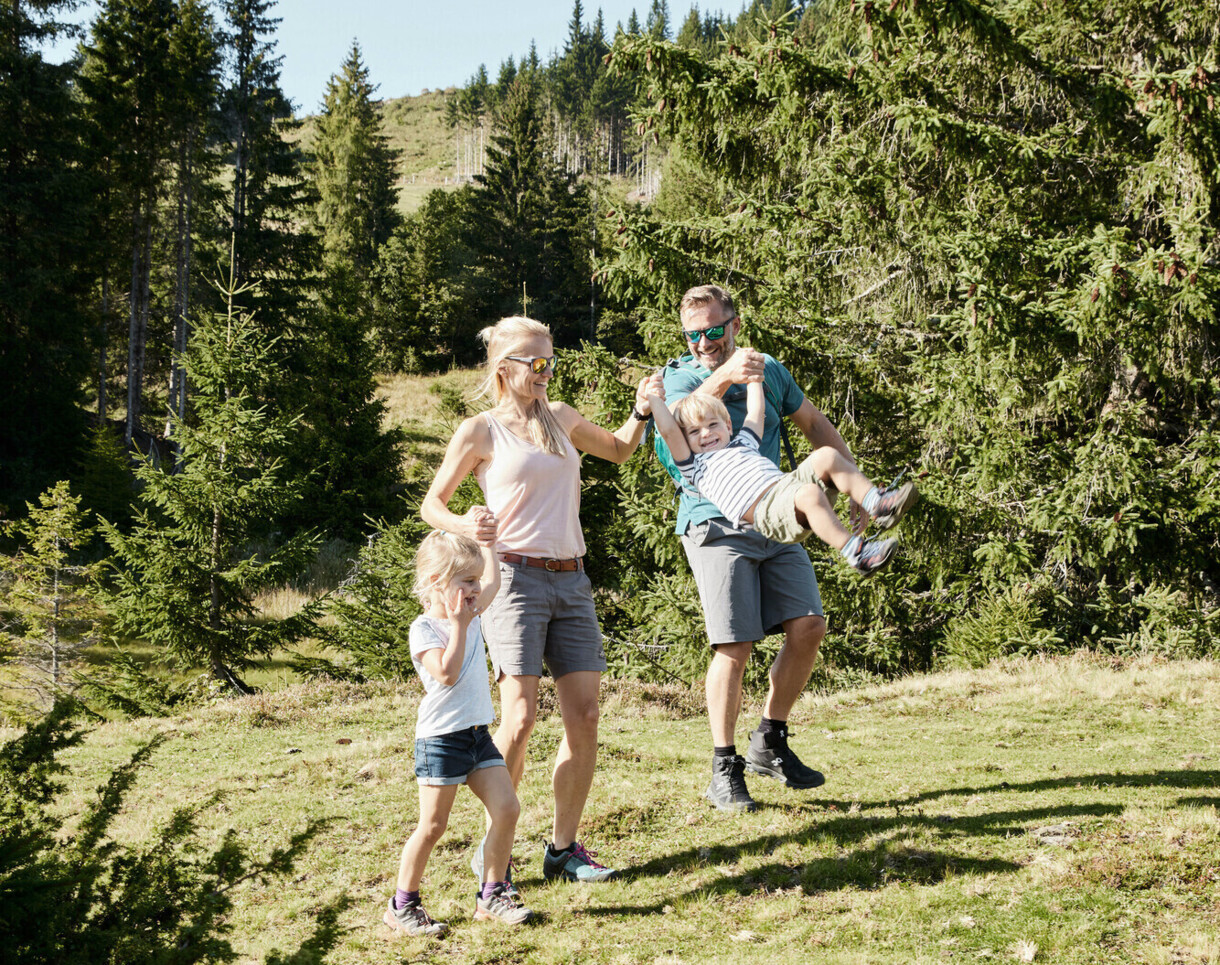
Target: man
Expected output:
[749,585]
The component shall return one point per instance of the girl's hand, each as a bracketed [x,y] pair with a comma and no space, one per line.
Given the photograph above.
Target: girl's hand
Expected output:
[653,385]
[479,523]
[458,610]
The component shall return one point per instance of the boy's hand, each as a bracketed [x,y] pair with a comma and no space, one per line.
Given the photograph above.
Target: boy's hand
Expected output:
[649,387]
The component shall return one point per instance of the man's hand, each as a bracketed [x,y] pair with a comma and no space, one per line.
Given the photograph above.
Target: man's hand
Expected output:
[744,365]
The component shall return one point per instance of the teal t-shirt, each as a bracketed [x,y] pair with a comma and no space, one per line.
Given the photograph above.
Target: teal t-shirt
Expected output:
[783,397]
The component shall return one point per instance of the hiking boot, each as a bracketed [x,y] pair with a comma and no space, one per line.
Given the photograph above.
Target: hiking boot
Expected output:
[502,907]
[413,920]
[728,788]
[869,556]
[770,755]
[892,504]
[574,864]
[476,865]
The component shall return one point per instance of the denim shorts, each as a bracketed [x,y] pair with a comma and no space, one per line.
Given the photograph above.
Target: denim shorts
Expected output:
[451,758]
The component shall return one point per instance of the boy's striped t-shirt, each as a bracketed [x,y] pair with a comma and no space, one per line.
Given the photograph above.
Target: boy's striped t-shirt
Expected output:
[732,478]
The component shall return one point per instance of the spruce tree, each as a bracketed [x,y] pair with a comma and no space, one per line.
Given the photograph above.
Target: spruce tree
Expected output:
[985,240]
[47,601]
[186,575]
[45,204]
[354,462]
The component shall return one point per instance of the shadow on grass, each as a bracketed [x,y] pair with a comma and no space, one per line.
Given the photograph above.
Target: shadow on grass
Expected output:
[326,935]
[887,858]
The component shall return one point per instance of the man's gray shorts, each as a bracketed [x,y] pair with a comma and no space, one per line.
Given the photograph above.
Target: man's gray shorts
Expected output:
[748,584]
[539,616]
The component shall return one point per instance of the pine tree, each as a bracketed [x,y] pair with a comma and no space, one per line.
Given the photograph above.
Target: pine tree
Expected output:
[45,204]
[47,602]
[186,575]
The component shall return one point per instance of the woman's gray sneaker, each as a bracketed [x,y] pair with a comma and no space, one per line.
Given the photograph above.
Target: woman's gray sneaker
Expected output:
[502,907]
[728,788]
[770,755]
[413,920]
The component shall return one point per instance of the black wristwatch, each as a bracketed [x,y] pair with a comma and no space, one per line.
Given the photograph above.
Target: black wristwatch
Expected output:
[638,418]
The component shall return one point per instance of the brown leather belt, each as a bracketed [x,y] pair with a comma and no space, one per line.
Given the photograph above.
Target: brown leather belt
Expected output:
[552,566]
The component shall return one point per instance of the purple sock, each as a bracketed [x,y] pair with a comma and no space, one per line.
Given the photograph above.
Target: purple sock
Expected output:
[491,887]
[404,898]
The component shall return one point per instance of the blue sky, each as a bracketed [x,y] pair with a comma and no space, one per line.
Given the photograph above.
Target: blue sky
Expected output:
[409,45]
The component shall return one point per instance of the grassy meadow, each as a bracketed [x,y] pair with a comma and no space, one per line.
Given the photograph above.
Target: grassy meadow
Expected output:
[1038,811]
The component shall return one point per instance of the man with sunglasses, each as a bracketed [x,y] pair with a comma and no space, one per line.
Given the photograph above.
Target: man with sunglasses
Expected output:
[749,586]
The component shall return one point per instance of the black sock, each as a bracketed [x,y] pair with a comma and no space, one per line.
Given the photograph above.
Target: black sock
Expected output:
[554,850]
[768,726]
[730,751]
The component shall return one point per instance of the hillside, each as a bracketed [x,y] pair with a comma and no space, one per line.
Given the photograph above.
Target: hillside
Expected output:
[1053,811]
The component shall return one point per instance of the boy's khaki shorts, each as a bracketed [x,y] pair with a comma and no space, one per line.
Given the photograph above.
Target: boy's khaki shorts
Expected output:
[775,513]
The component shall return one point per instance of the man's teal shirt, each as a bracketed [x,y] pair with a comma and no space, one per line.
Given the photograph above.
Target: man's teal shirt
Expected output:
[783,397]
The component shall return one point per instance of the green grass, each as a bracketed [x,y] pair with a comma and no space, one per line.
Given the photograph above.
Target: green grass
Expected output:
[1051,810]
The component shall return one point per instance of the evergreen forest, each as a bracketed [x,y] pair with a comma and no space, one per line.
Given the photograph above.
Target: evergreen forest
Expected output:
[982,234]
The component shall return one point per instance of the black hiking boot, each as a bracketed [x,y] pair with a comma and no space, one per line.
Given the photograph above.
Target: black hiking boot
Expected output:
[728,789]
[770,755]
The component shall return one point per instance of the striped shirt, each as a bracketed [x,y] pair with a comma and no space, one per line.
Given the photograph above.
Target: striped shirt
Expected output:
[732,478]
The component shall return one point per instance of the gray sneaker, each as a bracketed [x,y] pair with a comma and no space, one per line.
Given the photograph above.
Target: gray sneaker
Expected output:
[502,907]
[413,920]
[728,789]
[476,865]
[892,504]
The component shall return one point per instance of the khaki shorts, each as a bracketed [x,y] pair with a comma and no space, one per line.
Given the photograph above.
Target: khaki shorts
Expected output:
[775,513]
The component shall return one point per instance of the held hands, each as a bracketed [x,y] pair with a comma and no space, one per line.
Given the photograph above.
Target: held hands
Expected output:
[649,387]
[479,523]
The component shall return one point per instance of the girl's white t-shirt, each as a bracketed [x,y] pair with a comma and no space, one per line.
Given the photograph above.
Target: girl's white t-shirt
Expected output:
[467,703]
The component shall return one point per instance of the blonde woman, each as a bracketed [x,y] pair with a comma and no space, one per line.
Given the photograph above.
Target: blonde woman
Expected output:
[524,455]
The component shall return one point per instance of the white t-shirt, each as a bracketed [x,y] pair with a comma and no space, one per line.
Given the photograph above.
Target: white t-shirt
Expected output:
[445,710]
[732,478]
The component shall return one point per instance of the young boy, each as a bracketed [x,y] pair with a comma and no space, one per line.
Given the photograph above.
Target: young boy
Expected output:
[747,487]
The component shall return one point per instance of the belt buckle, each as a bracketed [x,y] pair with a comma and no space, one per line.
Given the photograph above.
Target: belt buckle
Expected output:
[556,568]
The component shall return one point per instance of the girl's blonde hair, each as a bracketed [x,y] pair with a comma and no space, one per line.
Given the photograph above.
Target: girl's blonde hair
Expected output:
[698,407]
[502,340]
[442,556]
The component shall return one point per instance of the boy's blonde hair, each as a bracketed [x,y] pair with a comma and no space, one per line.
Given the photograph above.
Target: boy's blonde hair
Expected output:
[697,408]
[442,556]
[502,340]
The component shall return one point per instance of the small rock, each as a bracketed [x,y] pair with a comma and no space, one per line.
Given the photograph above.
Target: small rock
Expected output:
[344,740]
[292,750]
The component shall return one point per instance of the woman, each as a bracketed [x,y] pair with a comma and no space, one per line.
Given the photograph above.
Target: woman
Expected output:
[523,452]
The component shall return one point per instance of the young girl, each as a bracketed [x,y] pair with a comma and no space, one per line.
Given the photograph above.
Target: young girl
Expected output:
[456,578]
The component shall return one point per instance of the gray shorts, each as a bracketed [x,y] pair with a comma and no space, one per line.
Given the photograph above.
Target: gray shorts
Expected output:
[749,585]
[541,616]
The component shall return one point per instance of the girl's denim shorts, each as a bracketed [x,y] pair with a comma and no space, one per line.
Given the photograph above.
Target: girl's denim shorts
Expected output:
[451,758]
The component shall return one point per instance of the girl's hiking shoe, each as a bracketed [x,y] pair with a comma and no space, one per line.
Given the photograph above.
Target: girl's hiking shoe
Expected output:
[574,864]
[728,789]
[892,504]
[502,907]
[869,556]
[413,920]
[770,756]
[476,865]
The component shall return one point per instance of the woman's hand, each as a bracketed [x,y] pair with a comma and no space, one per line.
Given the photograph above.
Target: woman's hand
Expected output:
[653,385]
[479,523]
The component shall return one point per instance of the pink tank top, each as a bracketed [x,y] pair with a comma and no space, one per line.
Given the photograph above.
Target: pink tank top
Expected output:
[534,494]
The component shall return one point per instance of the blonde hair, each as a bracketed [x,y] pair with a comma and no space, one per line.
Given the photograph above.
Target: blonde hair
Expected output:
[697,408]
[704,295]
[442,556]
[502,340]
